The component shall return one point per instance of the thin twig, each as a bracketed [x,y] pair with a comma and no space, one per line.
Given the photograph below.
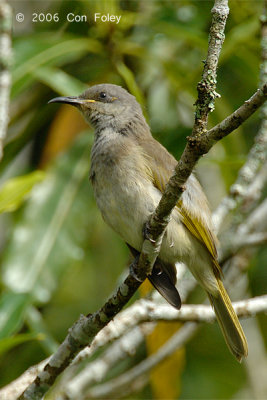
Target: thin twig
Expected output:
[5,64]
[257,156]
[145,310]
[115,386]
[257,220]
[80,335]
[198,314]
[141,311]
[253,239]
[96,371]
[195,148]
[254,190]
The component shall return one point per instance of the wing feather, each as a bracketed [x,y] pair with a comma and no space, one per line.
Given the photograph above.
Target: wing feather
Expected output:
[162,166]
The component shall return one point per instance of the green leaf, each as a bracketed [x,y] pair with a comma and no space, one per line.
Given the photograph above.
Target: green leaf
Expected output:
[42,245]
[129,78]
[188,34]
[12,310]
[34,320]
[59,81]
[242,33]
[10,342]
[45,52]
[15,190]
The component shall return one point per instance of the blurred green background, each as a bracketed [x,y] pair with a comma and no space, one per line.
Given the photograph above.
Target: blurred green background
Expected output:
[58,258]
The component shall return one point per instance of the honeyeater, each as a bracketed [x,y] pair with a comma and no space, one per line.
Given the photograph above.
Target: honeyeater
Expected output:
[129,171]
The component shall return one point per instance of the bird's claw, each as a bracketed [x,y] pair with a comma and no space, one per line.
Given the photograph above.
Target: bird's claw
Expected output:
[146,233]
[134,268]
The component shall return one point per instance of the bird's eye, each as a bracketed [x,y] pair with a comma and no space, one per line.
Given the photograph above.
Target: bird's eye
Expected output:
[102,95]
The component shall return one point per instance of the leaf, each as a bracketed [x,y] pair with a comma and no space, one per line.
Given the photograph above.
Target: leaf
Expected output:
[35,321]
[59,81]
[43,53]
[15,190]
[128,76]
[10,342]
[239,34]
[188,34]
[165,378]
[12,310]
[42,244]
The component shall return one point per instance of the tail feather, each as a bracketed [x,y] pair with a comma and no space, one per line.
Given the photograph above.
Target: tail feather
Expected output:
[229,323]
[163,278]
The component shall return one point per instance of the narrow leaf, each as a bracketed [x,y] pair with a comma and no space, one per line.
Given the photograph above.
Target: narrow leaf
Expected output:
[15,190]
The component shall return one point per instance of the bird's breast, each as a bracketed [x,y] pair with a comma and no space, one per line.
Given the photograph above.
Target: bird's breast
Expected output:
[123,189]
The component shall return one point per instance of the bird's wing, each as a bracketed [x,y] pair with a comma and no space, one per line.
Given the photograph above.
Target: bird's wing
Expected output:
[202,233]
[162,166]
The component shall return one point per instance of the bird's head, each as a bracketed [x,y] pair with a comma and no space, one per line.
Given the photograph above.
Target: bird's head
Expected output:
[105,105]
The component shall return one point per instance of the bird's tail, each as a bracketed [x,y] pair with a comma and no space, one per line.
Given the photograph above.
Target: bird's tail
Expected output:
[229,323]
[163,278]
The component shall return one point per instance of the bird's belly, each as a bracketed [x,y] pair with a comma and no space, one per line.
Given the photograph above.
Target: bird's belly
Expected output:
[126,205]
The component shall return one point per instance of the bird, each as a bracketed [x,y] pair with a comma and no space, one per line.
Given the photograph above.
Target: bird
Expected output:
[129,172]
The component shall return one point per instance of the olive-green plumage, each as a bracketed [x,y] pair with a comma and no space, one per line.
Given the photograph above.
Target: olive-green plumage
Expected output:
[129,171]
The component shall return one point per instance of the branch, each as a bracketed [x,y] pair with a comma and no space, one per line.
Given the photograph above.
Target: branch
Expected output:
[5,63]
[207,86]
[239,193]
[246,240]
[204,313]
[248,234]
[96,371]
[196,147]
[257,155]
[153,312]
[13,389]
[236,119]
[80,335]
[254,190]
[141,311]
[114,330]
[115,387]
[257,220]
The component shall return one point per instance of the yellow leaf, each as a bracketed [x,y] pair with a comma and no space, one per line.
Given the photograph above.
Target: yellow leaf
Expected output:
[165,378]
[15,190]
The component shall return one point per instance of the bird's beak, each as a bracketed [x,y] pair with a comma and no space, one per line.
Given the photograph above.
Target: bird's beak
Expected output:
[73,101]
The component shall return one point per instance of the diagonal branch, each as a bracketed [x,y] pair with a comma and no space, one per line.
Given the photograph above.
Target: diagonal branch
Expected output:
[237,118]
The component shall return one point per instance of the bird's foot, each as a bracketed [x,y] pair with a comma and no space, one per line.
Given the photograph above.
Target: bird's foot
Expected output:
[147,234]
[134,269]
